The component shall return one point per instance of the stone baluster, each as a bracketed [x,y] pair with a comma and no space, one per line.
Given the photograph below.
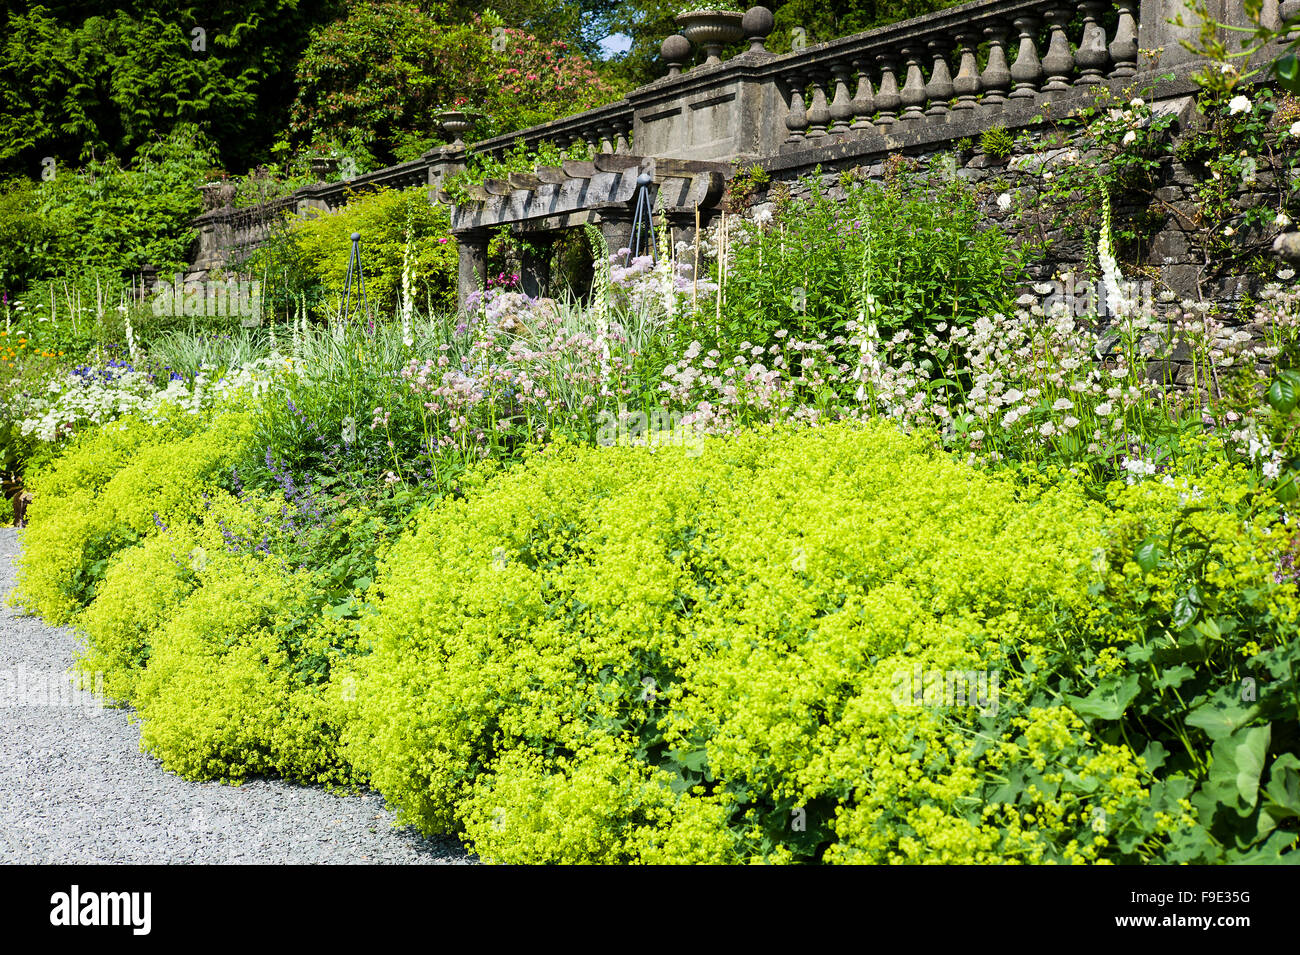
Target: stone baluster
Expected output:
[1092,57]
[819,114]
[864,101]
[622,145]
[887,98]
[913,91]
[842,105]
[940,89]
[796,120]
[966,84]
[1289,9]
[1058,64]
[1027,71]
[1124,48]
[996,78]
[605,134]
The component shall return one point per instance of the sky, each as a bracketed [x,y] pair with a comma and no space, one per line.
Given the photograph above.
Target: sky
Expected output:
[616,44]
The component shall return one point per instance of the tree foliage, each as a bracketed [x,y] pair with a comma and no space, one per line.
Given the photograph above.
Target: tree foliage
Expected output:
[381,75]
[83,80]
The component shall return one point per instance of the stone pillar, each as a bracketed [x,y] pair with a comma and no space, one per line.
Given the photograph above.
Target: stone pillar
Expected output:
[616,228]
[443,163]
[472,246]
[535,264]
[1155,30]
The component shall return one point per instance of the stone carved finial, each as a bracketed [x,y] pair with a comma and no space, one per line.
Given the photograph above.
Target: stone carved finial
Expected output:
[841,109]
[913,92]
[796,120]
[757,24]
[676,51]
[864,100]
[939,90]
[1058,64]
[819,113]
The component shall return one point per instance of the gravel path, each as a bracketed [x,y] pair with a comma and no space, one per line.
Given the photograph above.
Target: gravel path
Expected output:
[75,788]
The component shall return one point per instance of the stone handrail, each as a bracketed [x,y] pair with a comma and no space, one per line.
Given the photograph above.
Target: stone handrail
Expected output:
[607,129]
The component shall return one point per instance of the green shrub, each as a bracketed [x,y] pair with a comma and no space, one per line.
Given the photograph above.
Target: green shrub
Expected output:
[616,656]
[400,232]
[113,487]
[222,696]
[997,142]
[911,254]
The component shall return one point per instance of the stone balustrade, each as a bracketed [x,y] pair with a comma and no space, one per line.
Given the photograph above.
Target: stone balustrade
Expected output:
[928,71]
[907,85]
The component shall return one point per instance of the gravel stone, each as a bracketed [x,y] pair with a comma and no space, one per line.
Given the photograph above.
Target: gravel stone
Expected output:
[75,788]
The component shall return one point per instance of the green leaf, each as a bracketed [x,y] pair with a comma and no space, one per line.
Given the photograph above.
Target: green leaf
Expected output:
[1220,720]
[1250,762]
[1148,555]
[1109,700]
[1287,71]
[1282,395]
[1154,755]
[1185,611]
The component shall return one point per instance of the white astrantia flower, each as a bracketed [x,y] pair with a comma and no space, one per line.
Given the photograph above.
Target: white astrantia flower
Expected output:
[1239,104]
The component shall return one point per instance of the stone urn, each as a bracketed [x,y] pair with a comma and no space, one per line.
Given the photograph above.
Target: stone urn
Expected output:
[454,122]
[712,29]
[219,194]
[322,167]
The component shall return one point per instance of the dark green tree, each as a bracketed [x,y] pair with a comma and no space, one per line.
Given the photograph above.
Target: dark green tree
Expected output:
[81,80]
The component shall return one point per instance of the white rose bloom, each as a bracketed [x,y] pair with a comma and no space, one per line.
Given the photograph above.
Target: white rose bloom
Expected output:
[1239,104]
[1282,221]
[1130,137]
[1004,201]
[1295,128]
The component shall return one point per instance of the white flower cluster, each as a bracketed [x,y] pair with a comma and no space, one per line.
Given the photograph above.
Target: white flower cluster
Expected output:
[89,396]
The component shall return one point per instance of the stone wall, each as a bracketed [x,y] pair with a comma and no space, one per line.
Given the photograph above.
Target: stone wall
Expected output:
[1010,192]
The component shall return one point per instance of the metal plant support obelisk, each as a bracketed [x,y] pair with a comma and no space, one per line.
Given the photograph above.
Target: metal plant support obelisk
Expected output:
[354,268]
[642,240]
